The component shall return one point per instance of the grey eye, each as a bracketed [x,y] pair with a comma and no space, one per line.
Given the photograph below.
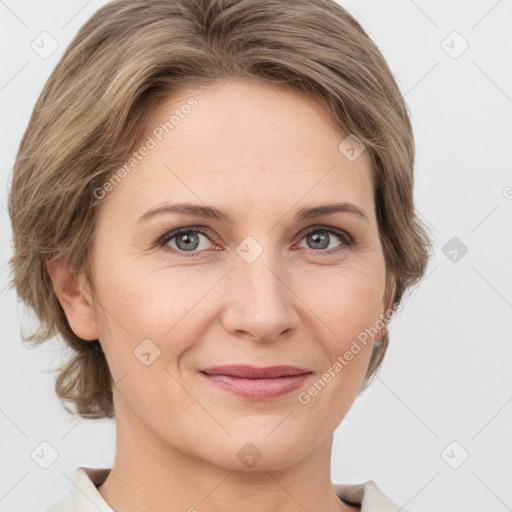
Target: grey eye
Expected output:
[186,240]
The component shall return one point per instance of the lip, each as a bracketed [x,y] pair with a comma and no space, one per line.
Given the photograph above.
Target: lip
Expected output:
[257,383]
[252,372]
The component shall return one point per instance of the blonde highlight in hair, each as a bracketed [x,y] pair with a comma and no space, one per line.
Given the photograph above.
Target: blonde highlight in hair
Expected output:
[94,107]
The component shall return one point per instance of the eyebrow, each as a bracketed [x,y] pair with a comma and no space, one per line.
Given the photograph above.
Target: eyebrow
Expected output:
[209,212]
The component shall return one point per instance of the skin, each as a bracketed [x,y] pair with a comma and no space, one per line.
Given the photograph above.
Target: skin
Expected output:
[260,152]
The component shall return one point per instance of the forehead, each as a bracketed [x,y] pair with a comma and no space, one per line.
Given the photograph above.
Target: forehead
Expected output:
[247,145]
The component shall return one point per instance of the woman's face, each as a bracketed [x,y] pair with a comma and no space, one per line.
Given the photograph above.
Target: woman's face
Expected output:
[266,286]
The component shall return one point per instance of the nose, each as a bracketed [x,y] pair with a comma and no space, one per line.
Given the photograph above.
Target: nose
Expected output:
[259,302]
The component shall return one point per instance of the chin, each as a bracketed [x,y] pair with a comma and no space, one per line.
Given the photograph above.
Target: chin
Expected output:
[260,454]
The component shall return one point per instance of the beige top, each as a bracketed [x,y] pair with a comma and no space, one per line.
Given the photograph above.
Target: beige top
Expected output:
[84,495]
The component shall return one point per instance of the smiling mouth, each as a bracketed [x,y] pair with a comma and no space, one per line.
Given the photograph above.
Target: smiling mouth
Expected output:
[257,383]
[252,372]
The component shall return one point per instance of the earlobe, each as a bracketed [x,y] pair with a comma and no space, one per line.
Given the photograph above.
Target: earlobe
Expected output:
[73,292]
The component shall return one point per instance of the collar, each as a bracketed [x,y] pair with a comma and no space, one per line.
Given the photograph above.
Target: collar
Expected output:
[85,496]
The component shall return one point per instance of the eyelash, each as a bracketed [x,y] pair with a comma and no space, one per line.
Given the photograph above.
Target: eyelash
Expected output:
[347,239]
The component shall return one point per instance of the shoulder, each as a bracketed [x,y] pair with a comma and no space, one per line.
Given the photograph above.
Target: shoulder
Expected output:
[368,496]
[64,505]
[84,495]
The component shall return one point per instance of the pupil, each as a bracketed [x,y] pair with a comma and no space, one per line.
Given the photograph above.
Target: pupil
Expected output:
[320,239]
[188,241]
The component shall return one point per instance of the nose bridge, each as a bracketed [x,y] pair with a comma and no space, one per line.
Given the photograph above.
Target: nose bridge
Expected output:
[263,280]
[259,300]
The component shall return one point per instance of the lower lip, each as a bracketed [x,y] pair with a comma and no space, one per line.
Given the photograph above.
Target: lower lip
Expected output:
[258,389]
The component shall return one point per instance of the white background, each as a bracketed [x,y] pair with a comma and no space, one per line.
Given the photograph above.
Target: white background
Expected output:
[447,375]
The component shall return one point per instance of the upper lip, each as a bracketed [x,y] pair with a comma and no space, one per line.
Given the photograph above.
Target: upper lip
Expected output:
[252,372]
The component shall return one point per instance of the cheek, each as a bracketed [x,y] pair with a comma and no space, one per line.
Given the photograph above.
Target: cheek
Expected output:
[346,306]
[141,302]
[347,302]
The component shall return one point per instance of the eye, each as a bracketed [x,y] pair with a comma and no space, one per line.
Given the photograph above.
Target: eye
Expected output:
[321,237]
[188,240]
[184,239]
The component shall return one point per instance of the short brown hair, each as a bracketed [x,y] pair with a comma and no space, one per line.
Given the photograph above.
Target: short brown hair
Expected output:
[94,107]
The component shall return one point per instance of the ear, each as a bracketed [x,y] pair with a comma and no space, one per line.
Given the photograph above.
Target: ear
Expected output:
[73,292]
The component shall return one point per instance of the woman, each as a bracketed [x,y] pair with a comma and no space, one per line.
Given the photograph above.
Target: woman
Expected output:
[213,206]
